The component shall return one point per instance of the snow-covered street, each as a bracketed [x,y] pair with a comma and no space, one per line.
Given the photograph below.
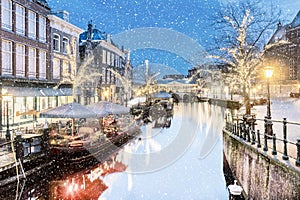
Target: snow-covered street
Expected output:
[281,108]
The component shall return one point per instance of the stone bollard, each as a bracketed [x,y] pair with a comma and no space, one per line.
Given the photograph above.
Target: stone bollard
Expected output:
[19,146]
[235,191]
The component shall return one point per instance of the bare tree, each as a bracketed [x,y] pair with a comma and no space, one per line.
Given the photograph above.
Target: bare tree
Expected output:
[244,28]
[77,76]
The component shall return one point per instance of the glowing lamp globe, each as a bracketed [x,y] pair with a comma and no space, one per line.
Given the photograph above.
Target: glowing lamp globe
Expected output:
[268,71]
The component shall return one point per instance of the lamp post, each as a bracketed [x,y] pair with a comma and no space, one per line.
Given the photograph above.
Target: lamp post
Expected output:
[7,135]
[268,73]
[269,124]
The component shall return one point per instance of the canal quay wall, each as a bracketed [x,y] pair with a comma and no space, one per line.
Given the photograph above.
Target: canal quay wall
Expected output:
[253,160]
[260,174]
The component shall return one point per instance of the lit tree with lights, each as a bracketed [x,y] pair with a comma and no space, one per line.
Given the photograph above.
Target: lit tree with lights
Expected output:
[125,79]
[245,26]
[206,77]
[150,80]
[78,76]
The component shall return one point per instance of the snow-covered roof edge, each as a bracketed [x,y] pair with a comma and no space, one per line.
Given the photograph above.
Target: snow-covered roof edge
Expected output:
[296,21]
[279,35]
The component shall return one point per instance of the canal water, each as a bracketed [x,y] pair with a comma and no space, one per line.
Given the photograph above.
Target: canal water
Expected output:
[178,156]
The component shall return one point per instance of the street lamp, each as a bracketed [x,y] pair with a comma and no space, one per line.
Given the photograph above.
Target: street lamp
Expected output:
[7,135]
[269,124]
[268,73]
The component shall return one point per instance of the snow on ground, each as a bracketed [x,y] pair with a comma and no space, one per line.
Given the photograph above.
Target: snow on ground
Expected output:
[280,108]
[194,171]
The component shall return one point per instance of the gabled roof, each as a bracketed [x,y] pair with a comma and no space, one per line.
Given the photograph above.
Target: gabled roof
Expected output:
[296,21]
[279,35]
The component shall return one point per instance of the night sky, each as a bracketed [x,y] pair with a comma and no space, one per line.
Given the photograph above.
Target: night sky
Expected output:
[188,17]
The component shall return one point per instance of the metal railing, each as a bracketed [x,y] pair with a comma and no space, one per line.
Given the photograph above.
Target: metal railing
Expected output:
[245,128]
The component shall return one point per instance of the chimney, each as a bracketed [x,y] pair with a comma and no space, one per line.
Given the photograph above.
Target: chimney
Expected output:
[90,31]
[279,25]
[108,38]
[62,14]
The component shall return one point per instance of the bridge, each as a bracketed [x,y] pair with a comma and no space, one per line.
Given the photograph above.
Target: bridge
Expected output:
[185,96]
[181,90]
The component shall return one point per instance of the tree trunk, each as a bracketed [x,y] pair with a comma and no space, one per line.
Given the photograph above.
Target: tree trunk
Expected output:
[246,100]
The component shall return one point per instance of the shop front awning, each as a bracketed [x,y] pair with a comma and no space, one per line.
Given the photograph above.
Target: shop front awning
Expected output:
[39,92]
[23,92]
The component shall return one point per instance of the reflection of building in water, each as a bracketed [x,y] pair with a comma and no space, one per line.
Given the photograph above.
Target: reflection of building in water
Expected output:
[85,184]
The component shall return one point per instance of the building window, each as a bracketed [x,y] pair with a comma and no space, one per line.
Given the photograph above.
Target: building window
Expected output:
[118,62]
[66,69]
[65,43]
[56,68]
[20,60]
[104,56]
[31,25]
[20,19]
[32,63]
[56,42]
[6,57]
[6,14]
[42,29]
[113,61]
[108,58]
[42,65]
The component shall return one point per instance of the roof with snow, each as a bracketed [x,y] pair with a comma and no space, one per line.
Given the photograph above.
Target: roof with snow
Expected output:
[92,34]
[296,21]
[174,82]
[43,3]
[280,34]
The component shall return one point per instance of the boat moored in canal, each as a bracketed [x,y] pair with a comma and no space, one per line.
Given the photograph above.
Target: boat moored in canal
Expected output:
[91,140]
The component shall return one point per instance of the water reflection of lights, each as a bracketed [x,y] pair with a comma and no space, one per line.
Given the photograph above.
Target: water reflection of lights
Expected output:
[72,187]
[87,184]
